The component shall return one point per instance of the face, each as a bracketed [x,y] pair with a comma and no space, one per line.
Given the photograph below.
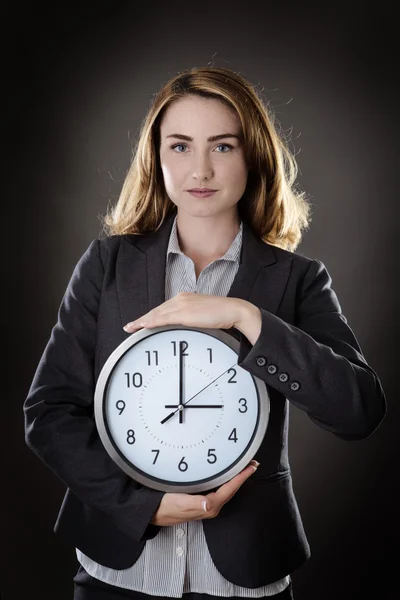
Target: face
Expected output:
[190,159]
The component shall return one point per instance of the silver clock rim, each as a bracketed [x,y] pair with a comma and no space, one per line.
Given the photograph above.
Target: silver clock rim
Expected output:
[264,405]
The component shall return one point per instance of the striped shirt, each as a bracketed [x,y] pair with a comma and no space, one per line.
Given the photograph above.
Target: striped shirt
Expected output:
[177,559]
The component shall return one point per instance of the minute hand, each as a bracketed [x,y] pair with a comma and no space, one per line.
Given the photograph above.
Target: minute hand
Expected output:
[204,388]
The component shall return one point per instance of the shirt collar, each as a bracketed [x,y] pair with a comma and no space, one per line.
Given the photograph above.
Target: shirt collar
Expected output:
[233,252]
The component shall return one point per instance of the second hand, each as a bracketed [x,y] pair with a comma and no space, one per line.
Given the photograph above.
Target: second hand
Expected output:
[204,388]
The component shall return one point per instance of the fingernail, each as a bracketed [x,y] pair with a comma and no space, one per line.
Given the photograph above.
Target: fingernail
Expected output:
[134,324]
[205,505]
[255,465]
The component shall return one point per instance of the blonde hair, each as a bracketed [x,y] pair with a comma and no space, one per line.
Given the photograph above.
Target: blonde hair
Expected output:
[271,204]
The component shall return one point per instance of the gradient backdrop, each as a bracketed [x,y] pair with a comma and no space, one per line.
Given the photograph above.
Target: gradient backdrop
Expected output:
[78,83]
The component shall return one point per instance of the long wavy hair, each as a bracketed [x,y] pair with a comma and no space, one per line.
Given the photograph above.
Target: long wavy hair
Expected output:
[272,204]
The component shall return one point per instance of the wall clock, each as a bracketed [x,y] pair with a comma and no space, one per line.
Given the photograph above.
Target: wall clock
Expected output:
[175,411]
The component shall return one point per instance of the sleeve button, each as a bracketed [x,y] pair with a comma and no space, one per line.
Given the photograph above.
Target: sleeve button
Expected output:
[272,369]
[283,377]
[261,361]
[295,386]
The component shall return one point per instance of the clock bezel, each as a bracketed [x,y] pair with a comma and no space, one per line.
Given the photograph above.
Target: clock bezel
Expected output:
[147,479]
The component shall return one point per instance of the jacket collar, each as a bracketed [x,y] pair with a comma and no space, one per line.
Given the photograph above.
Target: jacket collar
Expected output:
[140,272]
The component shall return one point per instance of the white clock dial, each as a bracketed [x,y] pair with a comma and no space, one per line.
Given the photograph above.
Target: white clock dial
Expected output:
[150,435]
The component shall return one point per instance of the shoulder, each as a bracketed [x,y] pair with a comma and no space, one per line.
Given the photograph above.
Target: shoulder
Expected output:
[114,241]
[309,274]
[108,247]
[300,262]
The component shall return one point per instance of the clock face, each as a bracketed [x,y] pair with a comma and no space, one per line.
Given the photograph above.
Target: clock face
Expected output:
[176,412]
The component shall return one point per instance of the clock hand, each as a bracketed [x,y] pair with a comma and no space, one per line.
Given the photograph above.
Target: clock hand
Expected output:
[196,406]
[211,382]
[184,404]
[180,406]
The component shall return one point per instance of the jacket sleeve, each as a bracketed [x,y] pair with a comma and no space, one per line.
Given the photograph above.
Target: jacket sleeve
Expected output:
[317,364]
[59,409]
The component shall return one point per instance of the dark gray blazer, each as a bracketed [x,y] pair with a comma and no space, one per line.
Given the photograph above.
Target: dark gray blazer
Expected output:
[306,354]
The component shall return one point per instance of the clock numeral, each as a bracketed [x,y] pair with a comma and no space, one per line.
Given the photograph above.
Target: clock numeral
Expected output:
[234,434]
[148,352]
[212,461]
[121,406]
[210,351]
[183,348]
[130,436]
[135,376]
[232,376]
[244,405]
[184,467]
[155,458]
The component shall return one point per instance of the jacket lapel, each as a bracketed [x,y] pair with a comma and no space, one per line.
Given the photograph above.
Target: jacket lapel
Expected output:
[140,272]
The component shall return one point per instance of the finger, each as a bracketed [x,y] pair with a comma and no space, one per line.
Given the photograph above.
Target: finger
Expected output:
[167,315]
[222,495]
[229,489]
[193,503]
[133,325]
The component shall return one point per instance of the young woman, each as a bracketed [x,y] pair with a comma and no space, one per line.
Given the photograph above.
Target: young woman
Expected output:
[204,234]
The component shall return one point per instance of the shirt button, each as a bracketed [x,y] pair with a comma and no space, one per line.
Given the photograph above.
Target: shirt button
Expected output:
[261,361]
[179,551]
[272,369]
[283,377]
[180,532]
[295,386]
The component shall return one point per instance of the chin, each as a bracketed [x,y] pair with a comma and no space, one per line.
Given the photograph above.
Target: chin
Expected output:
[203,211]
[204,207]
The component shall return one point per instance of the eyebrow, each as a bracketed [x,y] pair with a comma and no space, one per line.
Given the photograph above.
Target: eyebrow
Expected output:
[213,138]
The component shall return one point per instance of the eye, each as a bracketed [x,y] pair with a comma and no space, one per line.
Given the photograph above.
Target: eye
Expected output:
[176,146]
[184,145]
[226,145]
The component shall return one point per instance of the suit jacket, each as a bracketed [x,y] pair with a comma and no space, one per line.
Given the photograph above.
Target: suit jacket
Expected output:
[306,354]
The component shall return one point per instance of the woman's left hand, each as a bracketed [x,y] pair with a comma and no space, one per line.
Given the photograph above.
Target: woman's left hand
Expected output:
[195,310]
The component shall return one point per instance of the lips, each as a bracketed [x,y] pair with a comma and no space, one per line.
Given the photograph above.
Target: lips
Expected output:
[202,190]
[202,193]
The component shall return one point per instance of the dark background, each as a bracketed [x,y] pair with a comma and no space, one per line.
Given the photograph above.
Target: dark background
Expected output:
[76,85]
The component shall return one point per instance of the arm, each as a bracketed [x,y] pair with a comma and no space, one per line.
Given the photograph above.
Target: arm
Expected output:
[337,388]
[59,422]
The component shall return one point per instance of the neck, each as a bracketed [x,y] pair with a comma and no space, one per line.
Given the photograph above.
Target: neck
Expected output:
[205,239]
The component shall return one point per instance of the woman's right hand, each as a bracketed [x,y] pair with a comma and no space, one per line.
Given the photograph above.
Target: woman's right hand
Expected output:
[179,508]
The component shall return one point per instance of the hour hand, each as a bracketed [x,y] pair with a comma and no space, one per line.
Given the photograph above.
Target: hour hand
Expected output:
[202,390]
[195,406]
[178,406]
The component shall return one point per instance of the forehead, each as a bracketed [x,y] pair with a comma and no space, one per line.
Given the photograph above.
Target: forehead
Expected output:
[205,115]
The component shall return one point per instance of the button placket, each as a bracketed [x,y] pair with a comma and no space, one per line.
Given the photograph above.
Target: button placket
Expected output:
[179,567]
[180,532]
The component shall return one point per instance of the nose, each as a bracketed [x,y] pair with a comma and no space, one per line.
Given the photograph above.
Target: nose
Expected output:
[203,168]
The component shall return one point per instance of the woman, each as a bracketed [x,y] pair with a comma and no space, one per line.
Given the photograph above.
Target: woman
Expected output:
[223,258]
